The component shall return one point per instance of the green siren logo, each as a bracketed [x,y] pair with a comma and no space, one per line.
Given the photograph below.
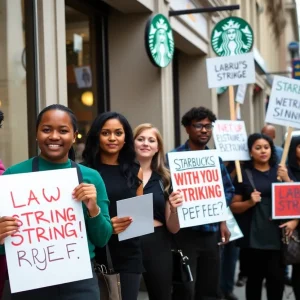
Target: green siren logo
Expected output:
[159,40]
[232,36]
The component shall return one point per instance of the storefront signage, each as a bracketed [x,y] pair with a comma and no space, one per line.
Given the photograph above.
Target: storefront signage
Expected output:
[159,40]
[232,36]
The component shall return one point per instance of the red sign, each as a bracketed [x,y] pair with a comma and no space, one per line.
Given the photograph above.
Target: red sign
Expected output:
[286,200]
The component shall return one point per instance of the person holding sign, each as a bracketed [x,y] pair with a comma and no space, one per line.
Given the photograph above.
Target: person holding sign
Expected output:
[156,247]
[200,243]
[56,131]
[110,150]
[294,167]
[252,205]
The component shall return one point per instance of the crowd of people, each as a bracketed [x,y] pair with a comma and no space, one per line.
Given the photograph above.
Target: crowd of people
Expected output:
[119,163]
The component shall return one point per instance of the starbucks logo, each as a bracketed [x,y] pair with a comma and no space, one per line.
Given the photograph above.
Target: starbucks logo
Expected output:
[232,36]
[159,41]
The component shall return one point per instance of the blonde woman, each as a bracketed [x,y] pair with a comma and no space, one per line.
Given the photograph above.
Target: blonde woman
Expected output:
[156,247]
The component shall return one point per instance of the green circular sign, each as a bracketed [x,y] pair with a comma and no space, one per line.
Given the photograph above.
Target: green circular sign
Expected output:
[232,36]
[159,40]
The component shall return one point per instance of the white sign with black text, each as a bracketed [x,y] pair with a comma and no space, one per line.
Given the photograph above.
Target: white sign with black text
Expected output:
[284,103]
[230,70]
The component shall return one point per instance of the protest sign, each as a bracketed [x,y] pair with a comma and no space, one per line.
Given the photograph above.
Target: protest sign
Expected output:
[284,103]
[231,140]
[141,210]
[230,70]
[197,174]
[286,200]
[233,227]
[240,93]
[51,244]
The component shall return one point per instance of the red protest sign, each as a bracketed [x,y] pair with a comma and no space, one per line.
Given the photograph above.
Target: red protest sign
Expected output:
[285,200]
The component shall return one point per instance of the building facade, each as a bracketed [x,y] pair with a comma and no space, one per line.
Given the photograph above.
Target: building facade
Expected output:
[90,55]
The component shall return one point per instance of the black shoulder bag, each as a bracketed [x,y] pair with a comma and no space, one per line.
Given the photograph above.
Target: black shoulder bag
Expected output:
[181,268]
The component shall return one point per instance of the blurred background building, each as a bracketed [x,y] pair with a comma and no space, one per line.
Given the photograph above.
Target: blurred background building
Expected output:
[90,55]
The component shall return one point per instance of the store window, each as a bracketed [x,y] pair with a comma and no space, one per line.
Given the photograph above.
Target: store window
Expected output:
[80,79]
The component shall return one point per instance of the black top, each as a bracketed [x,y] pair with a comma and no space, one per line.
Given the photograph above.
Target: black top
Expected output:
[126,255]
[159,203]
[260,231]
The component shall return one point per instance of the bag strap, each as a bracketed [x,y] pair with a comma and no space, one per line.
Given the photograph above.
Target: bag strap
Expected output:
[140,189]
[250,177]
[35,168]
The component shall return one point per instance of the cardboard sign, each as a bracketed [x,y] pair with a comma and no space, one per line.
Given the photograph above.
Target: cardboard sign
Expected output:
[284,103]
[231,140]
[233,227]
[286,200]
[230,70]
[197,174]
[241,93]
[141,210]
[51,244]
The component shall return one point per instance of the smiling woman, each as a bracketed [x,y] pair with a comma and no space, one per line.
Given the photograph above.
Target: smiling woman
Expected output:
[56,130]
[109,150]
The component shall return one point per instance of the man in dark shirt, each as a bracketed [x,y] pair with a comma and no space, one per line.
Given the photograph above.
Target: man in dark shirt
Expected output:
[200,243]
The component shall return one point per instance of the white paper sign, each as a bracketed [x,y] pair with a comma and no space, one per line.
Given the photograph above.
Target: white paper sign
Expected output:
[77,42]
[51,245]
[284,103]
[233,227]
[231,140]
[83,77]
[197,174]
[141,210]
[240,93]
[230,70]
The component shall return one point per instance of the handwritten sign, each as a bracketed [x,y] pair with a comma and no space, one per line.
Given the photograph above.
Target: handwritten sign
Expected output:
[240,93]
[141,210]
[197,175]
[286,200]
[284,103]
[230,70]
[231,140]
[51,244]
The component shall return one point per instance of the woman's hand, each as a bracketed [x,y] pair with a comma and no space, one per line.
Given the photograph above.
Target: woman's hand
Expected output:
[255,197]
[289,226]
[225,233]
[120,224]
[87,193]
[8,226]
[175,200]
[283,173]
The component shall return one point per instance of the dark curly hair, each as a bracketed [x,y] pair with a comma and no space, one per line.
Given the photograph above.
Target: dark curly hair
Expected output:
[71,115]
[198,114]
[257,136]
[292,156]
[91,154]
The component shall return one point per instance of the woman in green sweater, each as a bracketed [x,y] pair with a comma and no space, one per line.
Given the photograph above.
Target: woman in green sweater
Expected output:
[56,132]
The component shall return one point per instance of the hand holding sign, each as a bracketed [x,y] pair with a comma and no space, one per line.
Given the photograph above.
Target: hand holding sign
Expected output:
[8,226]
[225,233]
[282,173]
[120,224]
[175,200]
[88,195]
